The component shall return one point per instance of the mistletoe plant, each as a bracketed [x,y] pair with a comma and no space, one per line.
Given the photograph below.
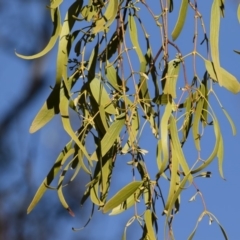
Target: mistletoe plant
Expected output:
[130,83]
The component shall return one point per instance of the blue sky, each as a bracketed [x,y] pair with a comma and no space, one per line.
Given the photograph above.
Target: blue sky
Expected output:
[221,196]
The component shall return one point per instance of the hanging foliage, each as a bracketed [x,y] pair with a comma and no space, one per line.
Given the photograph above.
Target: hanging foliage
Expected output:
[124,87]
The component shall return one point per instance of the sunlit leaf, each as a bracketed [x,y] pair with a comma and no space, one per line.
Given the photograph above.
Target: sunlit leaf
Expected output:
[56,19]
[214,39]
[51,175]
[148,221]
[228,80]
[234,131]
[101,96]
[181,19]
[171,77]
[122,195]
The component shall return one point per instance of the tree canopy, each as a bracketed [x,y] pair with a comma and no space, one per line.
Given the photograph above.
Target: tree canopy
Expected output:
[122,74]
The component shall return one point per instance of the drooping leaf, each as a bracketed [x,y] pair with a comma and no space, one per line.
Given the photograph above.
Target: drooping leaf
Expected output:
[164,136]
[101,96]
[197,117]
[181,20]
[214,39]
[234,131]
[122,195]
[148,221]
[50,177]
[177,148]
[56,19]
[228,80]
[108,17]
[111,135]
[171,77]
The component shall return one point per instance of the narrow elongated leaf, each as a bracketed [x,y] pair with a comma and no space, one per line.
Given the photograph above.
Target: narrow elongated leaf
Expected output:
[217,133]
[228,80]
[111,135]
[164,136]
[108,17]
[101,96]
[234,131]
[51,175]
[220,154]
[177,148]
[173,180]
[127,203]
[55,3]
[171,78]
[197,117]
[67,125]
[148,221]
[56,19]
[122,195]
[181,20]
[214,38]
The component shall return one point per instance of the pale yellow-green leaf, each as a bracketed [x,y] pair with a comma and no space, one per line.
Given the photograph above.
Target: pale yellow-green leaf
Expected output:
[81,161]
[56,19]
[220,155]
[173,179]
[171,78]
[55,3]
[60,191]
[111,135]
[179,189]
[164,136]
[67,125]
[177,148]
[108,17]
[217,133]
[181,20]
[122,195]
[51,175]
[148,221]
[228,80]
[127,203]
[214,38]
[197,118]
[234,131]
[113,77]
[101,96]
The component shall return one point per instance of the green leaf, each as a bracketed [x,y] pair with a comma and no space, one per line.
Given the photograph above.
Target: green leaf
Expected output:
[148,221]
[220,154]
[56,19]
[234,131]
[173,179]
[228,80]
[171,78]
[177,148]
[65,153]
[217,133]
[128,203]
[67,125]
[108,17]
[111,135]
[181,20]
[55,3]
[197,117]
[164,136]
[122,195]
[101,96]
[214,38]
